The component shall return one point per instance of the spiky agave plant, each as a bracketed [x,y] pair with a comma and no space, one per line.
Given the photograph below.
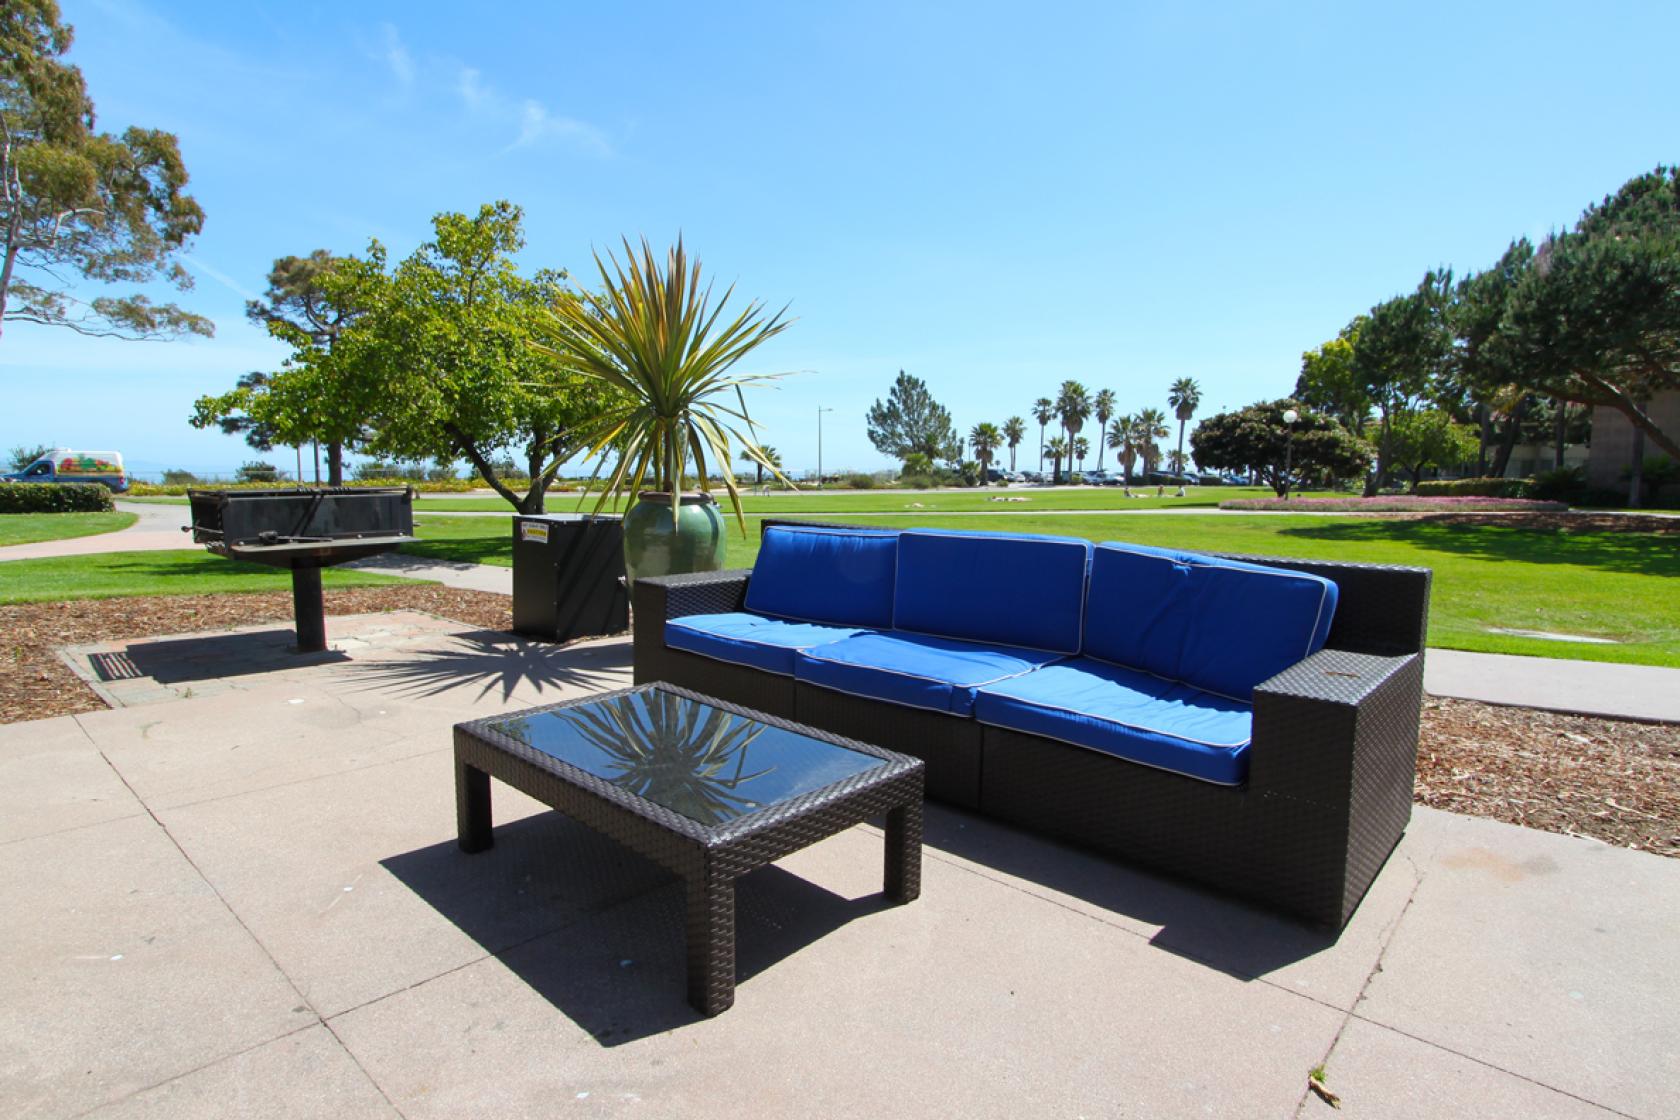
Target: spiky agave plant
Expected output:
[656,336]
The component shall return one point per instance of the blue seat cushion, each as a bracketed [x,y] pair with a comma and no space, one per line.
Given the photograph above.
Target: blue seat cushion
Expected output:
[1142,718]
[917,670]
[996,588]
[750,639]
[838,576]
[1221,625]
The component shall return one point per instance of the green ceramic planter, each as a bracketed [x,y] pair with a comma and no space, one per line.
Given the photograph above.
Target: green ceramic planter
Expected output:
[654,547]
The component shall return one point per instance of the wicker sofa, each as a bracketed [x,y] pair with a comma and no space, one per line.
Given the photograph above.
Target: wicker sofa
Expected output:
[1250,724]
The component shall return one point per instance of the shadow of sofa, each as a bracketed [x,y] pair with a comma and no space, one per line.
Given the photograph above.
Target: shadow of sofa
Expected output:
[1247,723]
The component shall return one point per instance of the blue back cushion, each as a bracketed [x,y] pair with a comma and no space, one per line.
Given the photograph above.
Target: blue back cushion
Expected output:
[842,576]
[1135,613]
[1220,625]
[989,587]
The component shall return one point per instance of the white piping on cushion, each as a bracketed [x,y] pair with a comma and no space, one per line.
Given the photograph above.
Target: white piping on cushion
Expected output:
[1123,723]
[795,650]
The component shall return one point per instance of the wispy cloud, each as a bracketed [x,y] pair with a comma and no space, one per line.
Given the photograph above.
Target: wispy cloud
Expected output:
[396,55]
[204,268]
[536,123]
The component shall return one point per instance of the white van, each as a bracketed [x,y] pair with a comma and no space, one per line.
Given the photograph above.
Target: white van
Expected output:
[61,464]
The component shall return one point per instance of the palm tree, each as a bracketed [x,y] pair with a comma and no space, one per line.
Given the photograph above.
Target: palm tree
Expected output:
[1014,431]
[1081,447]
[1102,407]
[984,439]
[1184,397]
[1151,426]
[1043,410]
[771,456]
[1073,405]
[1123,439]
[1057,448]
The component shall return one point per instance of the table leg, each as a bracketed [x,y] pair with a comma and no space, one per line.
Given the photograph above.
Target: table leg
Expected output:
[903,879]
[711,943]
[472,807]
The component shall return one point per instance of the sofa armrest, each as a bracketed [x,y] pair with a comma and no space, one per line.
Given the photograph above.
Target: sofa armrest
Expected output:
[655,599]
[1338,730]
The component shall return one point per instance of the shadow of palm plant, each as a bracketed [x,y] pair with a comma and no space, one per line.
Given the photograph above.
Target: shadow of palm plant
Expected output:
[691,758]
[493,661]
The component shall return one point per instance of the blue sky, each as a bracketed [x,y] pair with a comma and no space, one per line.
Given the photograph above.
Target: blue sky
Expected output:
[994,198]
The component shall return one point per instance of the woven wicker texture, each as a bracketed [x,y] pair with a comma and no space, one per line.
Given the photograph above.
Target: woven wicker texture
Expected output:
[708,858]
[1331,768]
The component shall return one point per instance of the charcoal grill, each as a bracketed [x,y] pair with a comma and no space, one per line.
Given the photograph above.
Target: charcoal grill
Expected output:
[305,530]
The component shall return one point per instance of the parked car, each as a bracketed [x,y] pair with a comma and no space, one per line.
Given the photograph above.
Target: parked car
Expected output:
[1096,478]
[64,465]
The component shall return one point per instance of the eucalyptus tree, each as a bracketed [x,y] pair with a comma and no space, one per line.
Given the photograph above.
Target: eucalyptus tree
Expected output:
[1102,407]
[1044,411]
[1184,396]
[984,439]
[1014,431]
[78,203]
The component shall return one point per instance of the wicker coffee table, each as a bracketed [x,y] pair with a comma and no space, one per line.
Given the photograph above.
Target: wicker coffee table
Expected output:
[707,789]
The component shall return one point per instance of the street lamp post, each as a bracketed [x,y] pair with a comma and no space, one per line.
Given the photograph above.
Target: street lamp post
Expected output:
[1289,418]
[820,411]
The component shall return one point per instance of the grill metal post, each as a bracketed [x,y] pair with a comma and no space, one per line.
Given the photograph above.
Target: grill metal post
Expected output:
[308,610]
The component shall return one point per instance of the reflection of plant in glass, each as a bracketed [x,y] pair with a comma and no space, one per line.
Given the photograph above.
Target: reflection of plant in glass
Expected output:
[685,756]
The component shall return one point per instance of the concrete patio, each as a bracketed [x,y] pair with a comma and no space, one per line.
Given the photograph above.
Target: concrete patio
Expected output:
[241,895]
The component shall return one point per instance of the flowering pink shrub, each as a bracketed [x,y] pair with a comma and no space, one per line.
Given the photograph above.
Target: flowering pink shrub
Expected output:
[1397,504]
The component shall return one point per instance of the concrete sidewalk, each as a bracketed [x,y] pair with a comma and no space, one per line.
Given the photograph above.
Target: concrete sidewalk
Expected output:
[158,530]
[1598,688]
[252,903]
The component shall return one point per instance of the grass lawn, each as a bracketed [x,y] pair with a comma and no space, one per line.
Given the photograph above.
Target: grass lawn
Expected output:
[1611,585]
[27,528]
[116,574]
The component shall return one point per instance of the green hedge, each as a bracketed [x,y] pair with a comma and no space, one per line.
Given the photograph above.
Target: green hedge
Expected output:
[1478,488]
[55,497]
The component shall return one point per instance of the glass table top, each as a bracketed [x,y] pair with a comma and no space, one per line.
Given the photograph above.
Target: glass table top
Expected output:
[707,764]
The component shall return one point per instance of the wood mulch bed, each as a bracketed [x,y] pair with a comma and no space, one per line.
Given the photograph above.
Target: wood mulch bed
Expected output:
[1614,780]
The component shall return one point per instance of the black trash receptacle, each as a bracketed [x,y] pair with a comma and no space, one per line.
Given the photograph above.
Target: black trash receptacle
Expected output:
[568,575]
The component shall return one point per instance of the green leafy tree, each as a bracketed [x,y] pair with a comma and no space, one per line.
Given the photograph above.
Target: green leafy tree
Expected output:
[75,202]
[1102,407]
[297,310]
[1044,411]
[1014,431]
[1429,438]
[1256,438]
[21,457]
[1400,351]
[910,421]
[1057,449]
[1485,368]
[985,439]
[1330,382]
[1596,318]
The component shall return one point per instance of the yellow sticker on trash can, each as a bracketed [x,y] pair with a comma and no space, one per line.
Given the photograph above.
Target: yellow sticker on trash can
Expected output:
[533,531]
